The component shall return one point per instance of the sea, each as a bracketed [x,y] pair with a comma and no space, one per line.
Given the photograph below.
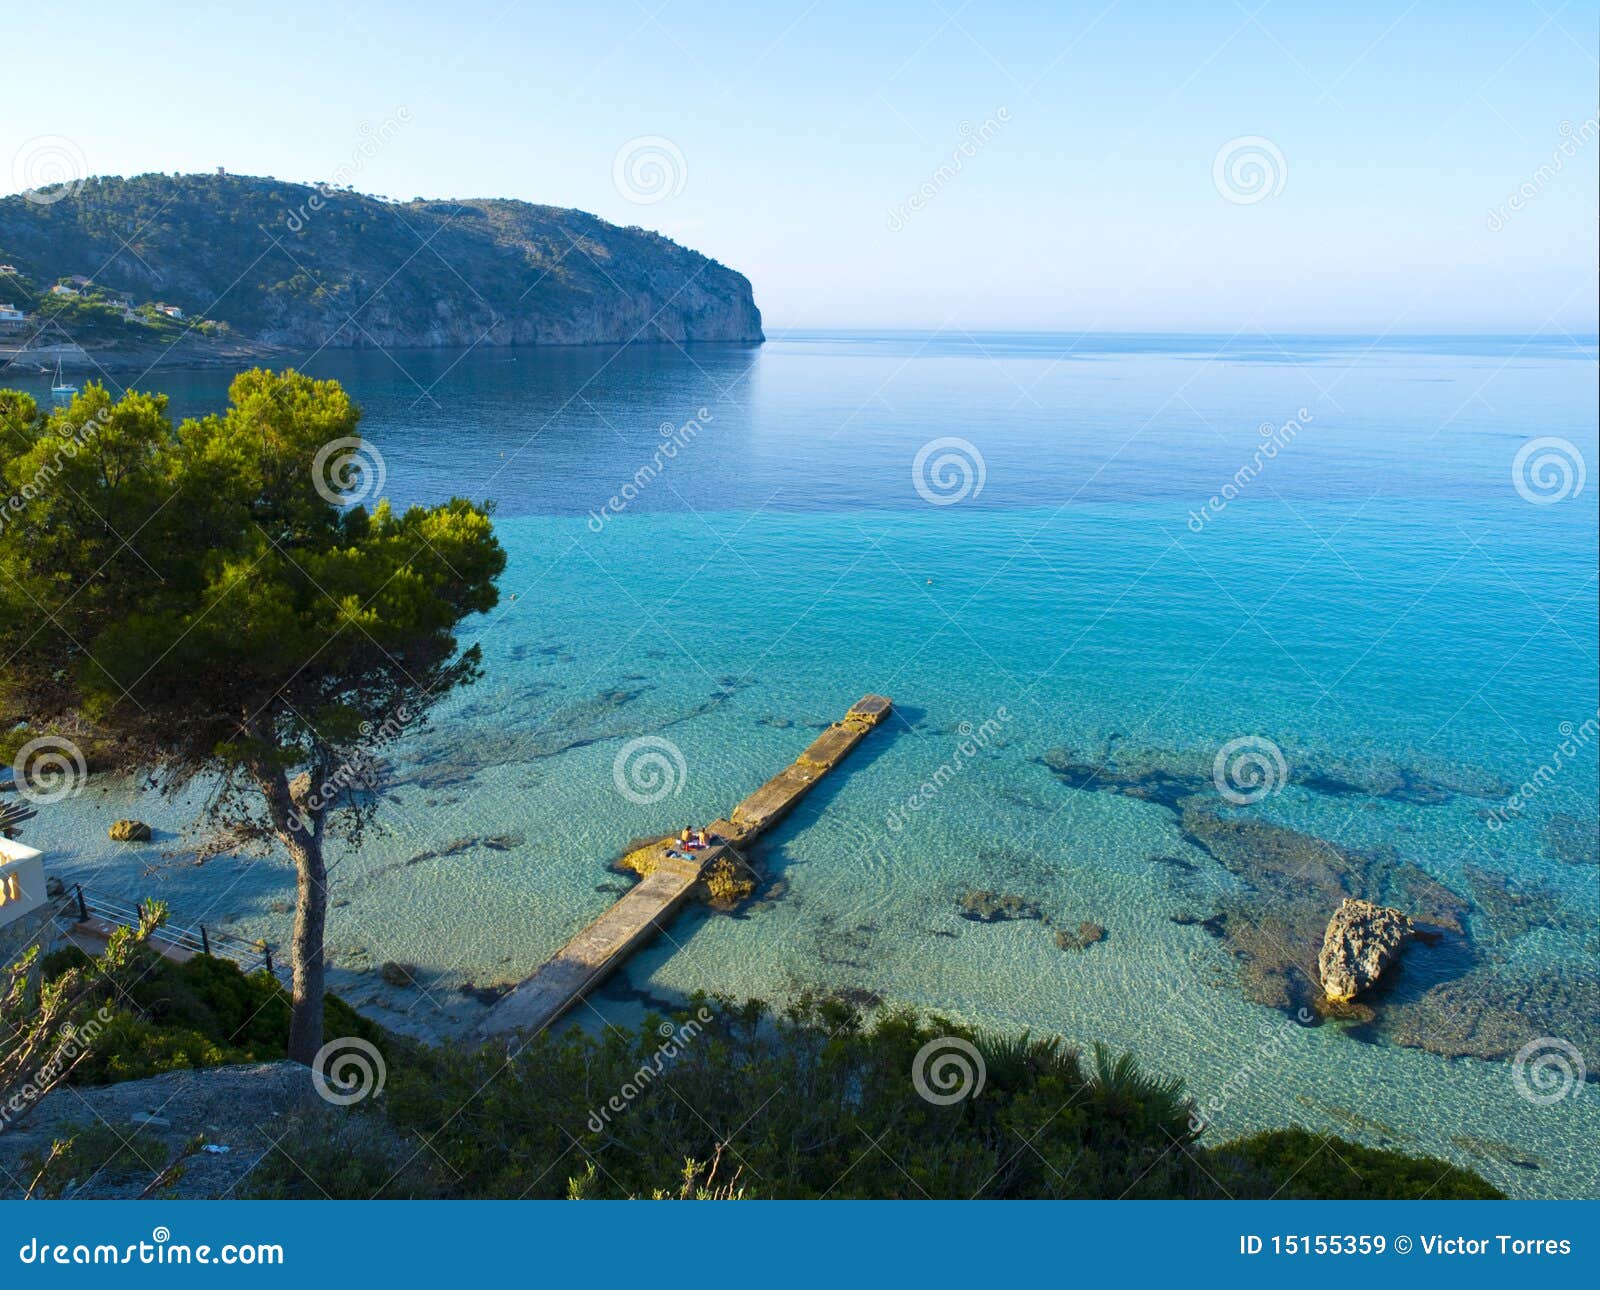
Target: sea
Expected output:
[1162,617]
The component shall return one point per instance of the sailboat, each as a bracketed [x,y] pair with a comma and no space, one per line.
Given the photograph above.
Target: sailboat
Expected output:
[59,388]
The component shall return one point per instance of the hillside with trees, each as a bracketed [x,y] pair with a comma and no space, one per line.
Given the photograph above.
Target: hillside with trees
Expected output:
[286,264]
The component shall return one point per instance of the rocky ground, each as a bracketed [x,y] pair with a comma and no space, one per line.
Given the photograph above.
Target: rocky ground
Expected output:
[242,1108]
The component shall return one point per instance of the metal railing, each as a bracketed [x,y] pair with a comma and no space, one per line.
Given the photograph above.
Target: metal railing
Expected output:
[249,955]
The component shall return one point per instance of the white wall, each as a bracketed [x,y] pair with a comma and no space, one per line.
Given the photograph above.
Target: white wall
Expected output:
[21,881]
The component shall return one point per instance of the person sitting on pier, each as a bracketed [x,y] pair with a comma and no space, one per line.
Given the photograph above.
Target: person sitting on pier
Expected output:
[700,843]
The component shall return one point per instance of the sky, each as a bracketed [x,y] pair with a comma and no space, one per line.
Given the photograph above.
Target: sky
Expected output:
[1120,165]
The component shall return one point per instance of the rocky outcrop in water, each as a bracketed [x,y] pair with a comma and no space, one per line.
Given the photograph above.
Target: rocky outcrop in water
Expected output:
[1081,938]
[1361,942]
[1167,775]
[983,906]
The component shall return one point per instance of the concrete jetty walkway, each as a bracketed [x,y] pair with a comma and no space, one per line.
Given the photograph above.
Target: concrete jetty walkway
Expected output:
[600,947]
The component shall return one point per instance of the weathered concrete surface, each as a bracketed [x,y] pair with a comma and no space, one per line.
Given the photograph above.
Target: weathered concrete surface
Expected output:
[596,951]
[91,934]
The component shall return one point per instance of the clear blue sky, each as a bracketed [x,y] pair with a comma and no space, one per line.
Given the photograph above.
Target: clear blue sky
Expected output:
[802,126]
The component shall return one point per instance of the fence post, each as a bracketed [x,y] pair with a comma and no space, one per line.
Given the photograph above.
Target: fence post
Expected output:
[205,941]
[83,909]
[266,951]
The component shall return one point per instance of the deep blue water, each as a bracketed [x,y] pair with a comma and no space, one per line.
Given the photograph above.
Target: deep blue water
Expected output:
[1377,592]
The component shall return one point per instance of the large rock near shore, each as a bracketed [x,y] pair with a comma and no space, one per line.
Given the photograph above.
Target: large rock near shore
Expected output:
[1362,940]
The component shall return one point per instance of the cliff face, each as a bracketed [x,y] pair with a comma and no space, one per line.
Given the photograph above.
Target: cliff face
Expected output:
[291,265]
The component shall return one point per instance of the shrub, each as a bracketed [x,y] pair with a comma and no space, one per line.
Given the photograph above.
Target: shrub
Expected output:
[205,1012]
[1309,1167]
[326,1153]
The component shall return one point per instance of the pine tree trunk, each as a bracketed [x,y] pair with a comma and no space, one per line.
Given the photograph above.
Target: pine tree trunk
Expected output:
[304,845]
[310,916]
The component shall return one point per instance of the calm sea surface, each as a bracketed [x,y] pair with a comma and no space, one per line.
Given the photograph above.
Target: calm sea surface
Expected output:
[1375,593]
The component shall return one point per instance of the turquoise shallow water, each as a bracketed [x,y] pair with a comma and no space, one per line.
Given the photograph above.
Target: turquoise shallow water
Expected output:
[1379,594]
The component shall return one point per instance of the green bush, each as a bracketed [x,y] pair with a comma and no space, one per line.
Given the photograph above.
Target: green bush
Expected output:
[1314,1168]
[205,1012]
[810,1102]
[85,1154]
[326,1152]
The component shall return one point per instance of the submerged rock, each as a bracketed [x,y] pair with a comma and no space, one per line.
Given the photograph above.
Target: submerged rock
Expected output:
[1167,775]
[1362,940]
[1085,935]
[129,831]
[1495,1009]
[1513,908]
[1571,840]
[990,907]
[399,975]
[1216,925]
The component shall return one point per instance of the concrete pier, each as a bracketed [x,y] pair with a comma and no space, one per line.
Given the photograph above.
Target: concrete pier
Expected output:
[635,919]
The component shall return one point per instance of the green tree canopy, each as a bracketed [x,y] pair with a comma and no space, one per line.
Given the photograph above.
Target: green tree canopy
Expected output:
[202,599]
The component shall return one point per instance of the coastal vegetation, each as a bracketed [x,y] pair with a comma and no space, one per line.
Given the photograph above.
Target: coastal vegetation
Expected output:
[287,639]
[156,1016]
[722,1098]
